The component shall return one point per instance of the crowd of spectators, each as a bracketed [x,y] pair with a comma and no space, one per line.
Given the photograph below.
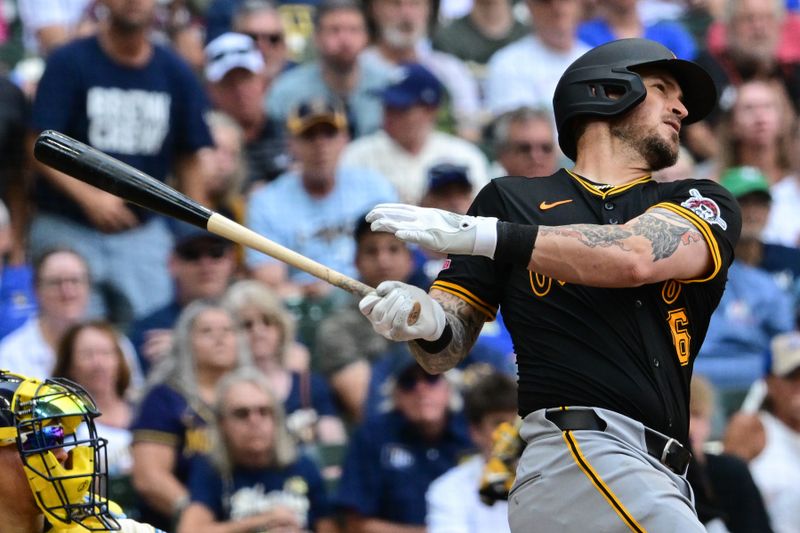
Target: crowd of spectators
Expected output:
[241,394]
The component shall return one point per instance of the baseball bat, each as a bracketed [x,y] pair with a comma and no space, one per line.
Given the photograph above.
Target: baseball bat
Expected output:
[94,167]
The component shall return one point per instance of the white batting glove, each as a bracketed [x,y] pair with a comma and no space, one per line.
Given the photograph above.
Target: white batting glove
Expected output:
[391,303]
[435,229]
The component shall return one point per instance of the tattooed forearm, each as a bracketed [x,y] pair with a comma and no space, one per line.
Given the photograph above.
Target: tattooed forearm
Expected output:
[466,323]
[591,235]
[663,229]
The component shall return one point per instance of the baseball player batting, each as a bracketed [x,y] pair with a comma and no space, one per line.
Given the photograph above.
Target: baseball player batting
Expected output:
[607,281]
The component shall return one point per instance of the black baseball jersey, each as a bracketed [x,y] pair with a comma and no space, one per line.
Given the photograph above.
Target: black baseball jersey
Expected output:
[630,349]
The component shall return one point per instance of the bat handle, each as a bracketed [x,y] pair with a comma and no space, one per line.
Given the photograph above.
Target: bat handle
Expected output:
[362,289]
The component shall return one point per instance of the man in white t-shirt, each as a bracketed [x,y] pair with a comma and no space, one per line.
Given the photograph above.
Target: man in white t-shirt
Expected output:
[769,440]
[525,72]
[409,145]
[453,502]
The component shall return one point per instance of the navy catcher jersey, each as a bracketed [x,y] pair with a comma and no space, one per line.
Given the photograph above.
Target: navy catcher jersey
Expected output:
[626,349]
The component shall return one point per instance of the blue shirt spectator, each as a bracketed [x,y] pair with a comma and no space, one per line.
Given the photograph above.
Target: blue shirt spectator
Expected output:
[165,416]
[319,228]
[481,359]
[753,309]
[299,482]
[365,109]
[17,297]
[389,466]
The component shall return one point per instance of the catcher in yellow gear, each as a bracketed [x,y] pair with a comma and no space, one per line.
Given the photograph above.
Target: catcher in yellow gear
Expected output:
[52,479]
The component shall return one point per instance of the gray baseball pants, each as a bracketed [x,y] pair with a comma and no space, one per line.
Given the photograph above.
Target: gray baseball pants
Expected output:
[596,481]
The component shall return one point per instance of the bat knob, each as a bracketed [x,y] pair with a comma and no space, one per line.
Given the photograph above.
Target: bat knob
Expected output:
[413,316]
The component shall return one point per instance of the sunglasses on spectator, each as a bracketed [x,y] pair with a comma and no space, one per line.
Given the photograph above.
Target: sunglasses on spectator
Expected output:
[272,38]
[45,438]
[527,147]
[325,131]
[59,281]
[195,253]
[408,382]
[244,412]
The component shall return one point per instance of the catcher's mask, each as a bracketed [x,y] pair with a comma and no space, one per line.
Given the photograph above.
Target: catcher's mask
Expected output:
[42,418]
[583,89]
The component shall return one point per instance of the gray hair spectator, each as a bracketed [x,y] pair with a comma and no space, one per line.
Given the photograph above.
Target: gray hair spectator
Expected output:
[524,142]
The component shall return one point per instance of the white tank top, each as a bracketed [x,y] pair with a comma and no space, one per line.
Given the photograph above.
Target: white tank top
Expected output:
[776,471]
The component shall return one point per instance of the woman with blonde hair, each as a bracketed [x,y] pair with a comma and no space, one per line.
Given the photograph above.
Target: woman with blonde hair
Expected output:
[170,426]
[269,327]
[254,479]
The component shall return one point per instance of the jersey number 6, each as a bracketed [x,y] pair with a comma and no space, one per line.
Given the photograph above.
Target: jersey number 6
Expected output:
[679,326]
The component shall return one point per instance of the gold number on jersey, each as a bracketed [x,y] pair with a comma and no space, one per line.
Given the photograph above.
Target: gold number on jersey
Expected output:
[670,291]
[679,327]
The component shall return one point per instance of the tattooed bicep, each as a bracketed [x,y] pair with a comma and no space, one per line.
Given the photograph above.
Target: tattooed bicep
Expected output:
[666,231]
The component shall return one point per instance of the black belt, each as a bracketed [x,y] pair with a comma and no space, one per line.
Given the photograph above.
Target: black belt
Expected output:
[667,450]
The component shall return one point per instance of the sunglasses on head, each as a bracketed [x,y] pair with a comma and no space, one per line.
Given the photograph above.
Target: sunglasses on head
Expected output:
[44,438]
[408,382]
[193,253]
[243,413]
[271,38]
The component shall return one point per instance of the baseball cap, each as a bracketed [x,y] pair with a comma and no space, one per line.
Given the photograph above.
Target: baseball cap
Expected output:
[445,174]
[785,349]
[229,51]
[744,180]
[412,84]
[309,113]
[191,242]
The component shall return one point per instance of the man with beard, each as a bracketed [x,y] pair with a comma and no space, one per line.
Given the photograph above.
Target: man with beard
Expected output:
[606,280]
[401,29]
[340,34]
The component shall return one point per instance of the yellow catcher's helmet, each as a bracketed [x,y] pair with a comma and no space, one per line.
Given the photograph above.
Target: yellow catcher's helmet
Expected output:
[42,417]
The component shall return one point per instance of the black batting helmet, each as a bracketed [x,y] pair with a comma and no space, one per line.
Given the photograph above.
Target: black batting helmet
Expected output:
[581,91]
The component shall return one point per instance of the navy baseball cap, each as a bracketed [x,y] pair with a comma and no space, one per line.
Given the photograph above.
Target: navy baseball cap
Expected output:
[187,239]
[315,111]
[445,174]
[412,84]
